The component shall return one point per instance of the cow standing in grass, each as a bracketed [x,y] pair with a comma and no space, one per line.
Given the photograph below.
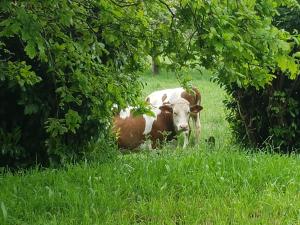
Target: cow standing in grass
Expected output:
[169,119]
[169,96]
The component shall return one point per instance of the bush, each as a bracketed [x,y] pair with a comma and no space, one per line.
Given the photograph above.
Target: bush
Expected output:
[63,65]
[269,116]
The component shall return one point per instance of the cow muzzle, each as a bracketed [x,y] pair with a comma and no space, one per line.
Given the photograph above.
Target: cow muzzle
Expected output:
[183,127]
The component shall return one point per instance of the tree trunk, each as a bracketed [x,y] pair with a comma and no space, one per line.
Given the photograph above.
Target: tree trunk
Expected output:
[155,65]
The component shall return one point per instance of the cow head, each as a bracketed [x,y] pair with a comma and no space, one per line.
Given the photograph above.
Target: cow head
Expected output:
[181,110]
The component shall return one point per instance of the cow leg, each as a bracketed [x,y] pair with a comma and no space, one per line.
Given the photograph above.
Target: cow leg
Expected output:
[155,143]
[148,144]
[197,125]
[186,139]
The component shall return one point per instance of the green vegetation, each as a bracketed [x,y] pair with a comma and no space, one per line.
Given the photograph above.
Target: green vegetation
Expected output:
[200,185]
[65,63]
[271,114]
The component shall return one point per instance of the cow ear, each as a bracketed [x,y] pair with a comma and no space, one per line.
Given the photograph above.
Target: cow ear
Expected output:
[166,108]
[196,108]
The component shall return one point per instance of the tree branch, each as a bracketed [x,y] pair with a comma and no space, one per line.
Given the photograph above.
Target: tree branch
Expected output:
[168,7]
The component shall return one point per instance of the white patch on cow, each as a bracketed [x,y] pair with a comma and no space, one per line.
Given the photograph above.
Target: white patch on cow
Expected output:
[125,113]
[181,114]
[149,120]
[158,98]
[172,95]
[114,106]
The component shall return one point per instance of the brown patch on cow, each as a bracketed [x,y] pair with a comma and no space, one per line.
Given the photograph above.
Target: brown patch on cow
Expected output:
[166,108]
[130,131]
[162,129]
[164,97]
[193,97]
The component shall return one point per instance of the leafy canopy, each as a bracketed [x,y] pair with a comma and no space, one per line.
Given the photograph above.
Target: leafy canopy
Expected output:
[234,38]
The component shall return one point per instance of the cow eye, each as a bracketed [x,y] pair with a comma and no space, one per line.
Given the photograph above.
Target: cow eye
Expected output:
[175,113]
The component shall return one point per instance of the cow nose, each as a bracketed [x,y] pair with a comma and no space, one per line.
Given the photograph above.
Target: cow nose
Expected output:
[184,127]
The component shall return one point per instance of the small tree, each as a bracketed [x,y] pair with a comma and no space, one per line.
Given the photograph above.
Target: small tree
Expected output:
[160,25]
[63,65]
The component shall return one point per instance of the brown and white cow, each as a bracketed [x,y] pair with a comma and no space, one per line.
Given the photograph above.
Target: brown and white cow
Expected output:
[169,96]
[172,119]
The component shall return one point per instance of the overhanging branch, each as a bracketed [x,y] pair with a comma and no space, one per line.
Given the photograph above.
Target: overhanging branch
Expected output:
[168,7]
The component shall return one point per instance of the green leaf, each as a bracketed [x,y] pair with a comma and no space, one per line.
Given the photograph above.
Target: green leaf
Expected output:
[296,55]
[4,211]
[282,62]
[30,50]
[293,68]
[31,109]
[15,27]
[55,127]
[228,36]
[285,46]
[73,120]
[66,18]
[288,63]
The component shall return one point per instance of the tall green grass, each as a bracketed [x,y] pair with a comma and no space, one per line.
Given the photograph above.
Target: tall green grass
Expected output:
[198,185]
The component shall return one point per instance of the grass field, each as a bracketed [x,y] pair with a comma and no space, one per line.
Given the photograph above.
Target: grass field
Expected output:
[199,185]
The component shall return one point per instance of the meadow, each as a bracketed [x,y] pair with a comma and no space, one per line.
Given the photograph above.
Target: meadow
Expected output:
[203,184]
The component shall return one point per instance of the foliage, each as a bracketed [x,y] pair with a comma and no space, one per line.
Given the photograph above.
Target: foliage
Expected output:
[253,58]
[63,65]
[236,39]
[271,115]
